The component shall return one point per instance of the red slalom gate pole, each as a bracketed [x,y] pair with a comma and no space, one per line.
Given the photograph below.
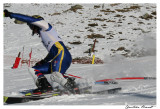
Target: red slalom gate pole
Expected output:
[30,54]
[17,60]
[22,56]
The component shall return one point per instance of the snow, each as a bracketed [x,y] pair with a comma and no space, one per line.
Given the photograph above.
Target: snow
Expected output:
[139,62]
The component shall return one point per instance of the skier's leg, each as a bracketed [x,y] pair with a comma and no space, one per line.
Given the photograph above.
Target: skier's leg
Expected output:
[37,72]
[58,67]
[58,77]
[68,83]
[32,73]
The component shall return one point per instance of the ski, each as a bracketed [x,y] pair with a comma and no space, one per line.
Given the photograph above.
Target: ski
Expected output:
[33,97]
[22,99]
[13,100]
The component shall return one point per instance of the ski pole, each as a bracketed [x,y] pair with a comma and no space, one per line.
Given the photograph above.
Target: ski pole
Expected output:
[70,75]
[114,81]
[128,78]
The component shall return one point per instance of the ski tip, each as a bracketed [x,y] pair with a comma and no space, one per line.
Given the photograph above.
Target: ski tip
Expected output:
[5,99]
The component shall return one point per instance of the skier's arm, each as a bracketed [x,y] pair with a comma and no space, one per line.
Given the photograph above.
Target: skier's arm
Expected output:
[28,19]
[48,57]
[45,60]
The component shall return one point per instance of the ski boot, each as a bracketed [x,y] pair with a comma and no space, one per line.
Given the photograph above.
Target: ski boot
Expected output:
[71,86]
[43,86]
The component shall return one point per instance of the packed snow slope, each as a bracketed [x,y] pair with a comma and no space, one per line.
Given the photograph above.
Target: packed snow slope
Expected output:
[126,42]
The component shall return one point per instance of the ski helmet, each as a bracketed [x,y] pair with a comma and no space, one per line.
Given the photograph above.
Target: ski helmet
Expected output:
[35,29]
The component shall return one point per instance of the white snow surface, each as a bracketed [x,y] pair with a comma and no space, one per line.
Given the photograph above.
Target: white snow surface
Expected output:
[140,62]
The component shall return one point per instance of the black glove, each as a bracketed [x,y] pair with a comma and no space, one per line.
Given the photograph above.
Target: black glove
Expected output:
[7,13]
[41,62]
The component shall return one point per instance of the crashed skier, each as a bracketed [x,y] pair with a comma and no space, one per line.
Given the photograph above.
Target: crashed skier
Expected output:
[56,62]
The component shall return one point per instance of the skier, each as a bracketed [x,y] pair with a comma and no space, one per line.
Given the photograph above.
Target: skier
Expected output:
[56,62]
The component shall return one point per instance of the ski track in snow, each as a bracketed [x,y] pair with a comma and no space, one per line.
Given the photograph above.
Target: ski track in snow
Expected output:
[141,44]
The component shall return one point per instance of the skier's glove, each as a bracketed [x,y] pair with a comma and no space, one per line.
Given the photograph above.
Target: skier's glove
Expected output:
[41,62]
[7,13]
